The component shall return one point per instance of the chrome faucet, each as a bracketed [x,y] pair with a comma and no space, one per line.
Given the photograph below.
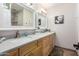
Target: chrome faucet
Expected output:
[17,34]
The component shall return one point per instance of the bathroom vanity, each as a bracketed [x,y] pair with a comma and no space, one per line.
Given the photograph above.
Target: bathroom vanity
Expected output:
[40,44]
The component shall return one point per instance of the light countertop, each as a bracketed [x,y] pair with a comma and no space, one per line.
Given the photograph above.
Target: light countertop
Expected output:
[15,43]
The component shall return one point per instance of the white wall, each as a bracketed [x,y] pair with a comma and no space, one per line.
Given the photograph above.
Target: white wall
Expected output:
[78,21]
[77,13]
[66,33]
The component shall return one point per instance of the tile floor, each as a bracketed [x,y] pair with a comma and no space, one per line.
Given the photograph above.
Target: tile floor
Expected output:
[57,51]
[69,53]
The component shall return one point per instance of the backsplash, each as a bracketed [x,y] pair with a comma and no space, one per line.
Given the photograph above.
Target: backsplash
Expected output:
[12,33]
[8,34]
[26,31]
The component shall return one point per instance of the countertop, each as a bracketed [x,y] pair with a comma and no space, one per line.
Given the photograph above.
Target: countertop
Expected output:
[18,42]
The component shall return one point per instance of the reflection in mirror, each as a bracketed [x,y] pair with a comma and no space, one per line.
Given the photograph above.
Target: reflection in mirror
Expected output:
[16,15]
[6,5]
[39,22]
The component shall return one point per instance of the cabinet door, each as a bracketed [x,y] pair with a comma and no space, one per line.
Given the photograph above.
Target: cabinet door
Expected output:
[46,51]
[40,42]
[28,47]
[37,52]
[45,41]
[13,53]
[46,45]
[52,40]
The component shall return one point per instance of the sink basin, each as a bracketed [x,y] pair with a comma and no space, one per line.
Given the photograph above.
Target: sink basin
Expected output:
[16,41]
[20,40]
[24,38]
[31,36]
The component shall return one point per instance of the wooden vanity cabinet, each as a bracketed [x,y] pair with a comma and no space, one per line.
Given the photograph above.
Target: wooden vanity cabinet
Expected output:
[40,47]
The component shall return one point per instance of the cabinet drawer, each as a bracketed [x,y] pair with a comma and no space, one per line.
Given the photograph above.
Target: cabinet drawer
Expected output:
[28,47]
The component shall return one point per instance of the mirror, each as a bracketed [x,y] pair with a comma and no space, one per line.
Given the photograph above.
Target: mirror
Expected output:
[22,15]
[16,15]
[41,21]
